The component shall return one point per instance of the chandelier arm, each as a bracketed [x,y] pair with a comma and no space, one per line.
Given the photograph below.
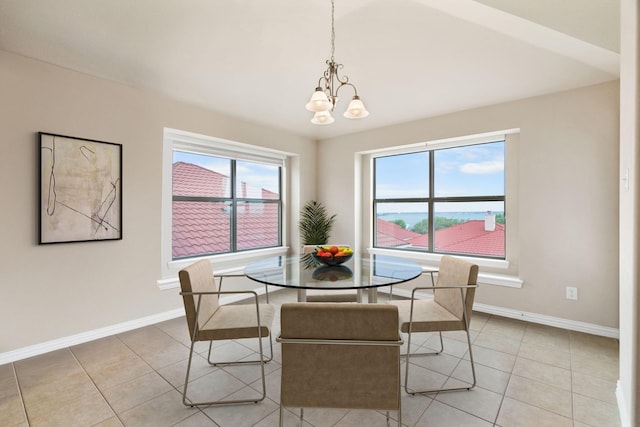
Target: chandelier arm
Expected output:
[355,91]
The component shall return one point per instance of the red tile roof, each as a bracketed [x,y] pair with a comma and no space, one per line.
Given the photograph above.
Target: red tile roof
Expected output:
[391,235]
[204,227]
[466,238]
[194,180]
[470,237]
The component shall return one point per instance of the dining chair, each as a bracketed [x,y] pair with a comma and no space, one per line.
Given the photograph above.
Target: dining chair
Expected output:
[221,277]
[208,320]
[425,270]
[449,310]
[321,295]
[338,355]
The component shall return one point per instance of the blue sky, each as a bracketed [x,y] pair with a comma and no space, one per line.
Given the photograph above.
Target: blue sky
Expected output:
[462,171]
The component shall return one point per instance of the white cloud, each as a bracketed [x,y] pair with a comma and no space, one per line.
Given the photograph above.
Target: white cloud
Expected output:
[482,168]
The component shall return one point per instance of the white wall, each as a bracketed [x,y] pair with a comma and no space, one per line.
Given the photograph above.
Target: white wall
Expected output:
[53,291]
[566,192]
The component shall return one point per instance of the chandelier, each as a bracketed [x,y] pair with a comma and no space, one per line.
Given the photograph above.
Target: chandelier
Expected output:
[325,96]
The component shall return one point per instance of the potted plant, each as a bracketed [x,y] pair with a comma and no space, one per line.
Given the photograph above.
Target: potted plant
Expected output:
[315,224]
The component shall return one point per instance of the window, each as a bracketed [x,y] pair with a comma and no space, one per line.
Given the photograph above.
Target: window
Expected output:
[447,200]
[223,200]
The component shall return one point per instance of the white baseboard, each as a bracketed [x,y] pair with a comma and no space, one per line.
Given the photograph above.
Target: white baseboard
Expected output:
[45,347]
[625,420]
[572,325]
[57,344]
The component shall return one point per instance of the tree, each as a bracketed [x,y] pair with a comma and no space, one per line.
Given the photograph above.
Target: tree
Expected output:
[440,222]
[421,227]
[315,224]
[400,222]
[444,222]
[500,218]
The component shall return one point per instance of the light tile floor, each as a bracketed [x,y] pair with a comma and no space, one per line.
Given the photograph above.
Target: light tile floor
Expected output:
[528,375]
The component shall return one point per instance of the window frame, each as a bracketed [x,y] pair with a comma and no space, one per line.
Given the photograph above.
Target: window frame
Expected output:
[431,200]
[201,144]
[233,200]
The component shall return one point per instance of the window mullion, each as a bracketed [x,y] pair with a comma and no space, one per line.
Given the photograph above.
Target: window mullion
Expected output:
[431,204]
[234,209]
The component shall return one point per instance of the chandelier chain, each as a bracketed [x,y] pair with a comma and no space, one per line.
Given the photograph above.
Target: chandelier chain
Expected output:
[333,32]
[324,98]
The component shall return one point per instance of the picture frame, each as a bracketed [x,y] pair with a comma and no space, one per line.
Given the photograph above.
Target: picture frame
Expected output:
[80,189]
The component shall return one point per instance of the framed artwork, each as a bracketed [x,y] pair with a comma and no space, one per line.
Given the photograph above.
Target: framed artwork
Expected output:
[80,189]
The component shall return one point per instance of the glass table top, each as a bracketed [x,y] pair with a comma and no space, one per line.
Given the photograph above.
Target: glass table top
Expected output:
[304,272]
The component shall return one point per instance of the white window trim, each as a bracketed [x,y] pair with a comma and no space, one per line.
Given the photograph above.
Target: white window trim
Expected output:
[188,141]
[431,261]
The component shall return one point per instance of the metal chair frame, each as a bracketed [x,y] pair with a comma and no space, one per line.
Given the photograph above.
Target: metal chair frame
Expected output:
[194,339]
[465,321]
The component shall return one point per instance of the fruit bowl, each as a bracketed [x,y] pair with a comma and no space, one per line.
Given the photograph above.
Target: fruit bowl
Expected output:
[332,255]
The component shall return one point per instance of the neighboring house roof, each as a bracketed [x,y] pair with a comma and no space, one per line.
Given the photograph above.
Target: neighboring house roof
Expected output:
[204,227]
[194,180]
[471,237]
[390,234]
[466,237]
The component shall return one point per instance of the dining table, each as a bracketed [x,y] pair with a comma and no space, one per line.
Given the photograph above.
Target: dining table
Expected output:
[362,271]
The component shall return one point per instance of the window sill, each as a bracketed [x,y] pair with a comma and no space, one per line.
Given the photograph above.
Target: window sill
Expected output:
[224,263]
[433,260]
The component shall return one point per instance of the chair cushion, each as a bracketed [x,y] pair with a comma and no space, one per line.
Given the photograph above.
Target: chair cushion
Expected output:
[428,316]
[235,321]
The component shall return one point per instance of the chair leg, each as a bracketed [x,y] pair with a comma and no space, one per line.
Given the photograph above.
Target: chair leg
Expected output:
[406,377]
[261,361]
[186,379]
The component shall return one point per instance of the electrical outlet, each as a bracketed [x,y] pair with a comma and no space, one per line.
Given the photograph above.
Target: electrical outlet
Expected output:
[572,293]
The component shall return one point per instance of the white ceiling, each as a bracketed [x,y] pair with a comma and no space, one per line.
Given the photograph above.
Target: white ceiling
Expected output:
[261,59]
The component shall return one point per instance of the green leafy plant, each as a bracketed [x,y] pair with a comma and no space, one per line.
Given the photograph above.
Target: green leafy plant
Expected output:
[315,224]
[400,223]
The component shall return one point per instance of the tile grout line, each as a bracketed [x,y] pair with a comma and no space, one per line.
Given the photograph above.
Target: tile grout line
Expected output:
[195,354]
[449,377]
[94,385]
[161,376]
[511,374]
[24,406]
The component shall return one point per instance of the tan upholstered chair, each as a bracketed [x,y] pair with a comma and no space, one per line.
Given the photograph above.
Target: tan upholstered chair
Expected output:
[321,295]
[210,321]
[221,277]
[449,310]
[340,356]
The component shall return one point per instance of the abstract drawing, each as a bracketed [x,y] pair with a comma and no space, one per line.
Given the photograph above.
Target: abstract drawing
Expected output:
[80,189]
